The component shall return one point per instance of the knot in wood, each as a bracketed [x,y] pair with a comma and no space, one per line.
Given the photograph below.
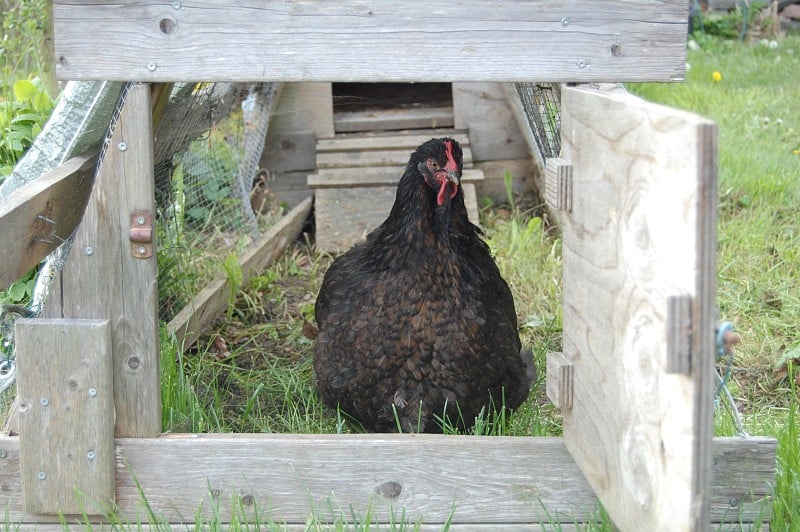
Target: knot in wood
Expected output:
[167,25]
[389,489]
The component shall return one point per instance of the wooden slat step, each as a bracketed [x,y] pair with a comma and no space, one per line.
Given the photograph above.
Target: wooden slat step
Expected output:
[408,140]
[385,157]
[372,177]
[392,119]
[342,219]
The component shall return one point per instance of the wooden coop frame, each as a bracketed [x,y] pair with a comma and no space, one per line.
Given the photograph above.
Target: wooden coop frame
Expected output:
[634,379]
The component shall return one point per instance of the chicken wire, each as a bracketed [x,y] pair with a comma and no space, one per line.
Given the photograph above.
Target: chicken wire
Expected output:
[208,146]
[542,105]
[207,150]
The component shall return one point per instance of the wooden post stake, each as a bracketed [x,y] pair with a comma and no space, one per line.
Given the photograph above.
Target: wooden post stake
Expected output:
[103,280]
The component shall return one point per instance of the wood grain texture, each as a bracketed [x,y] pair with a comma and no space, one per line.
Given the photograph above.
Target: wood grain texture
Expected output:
[679,334]
[704,309]
[196,316]
[632,240]
[558,185]
[483,481]
[482,108]
[66,415]
[408,140]
[389,156]
[372,177]
[560,380]
[371,40]
[38,217]
[393,119]
[102,280]
[304,107]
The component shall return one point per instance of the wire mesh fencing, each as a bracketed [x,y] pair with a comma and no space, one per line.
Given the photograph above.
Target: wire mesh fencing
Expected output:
[211,198]
[542,105]
[208,146]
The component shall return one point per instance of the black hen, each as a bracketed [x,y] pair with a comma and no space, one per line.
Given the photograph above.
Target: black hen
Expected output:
[416,325]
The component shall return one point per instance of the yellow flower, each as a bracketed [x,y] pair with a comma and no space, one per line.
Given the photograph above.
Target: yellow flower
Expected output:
[716,76]
[796,152]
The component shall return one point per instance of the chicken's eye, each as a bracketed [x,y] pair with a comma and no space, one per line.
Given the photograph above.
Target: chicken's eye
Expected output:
[432,164]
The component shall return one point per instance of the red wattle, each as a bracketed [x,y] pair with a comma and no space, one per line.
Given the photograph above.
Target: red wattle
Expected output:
[443,190]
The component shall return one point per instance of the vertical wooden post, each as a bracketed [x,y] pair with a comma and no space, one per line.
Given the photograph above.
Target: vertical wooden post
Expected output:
[106,278]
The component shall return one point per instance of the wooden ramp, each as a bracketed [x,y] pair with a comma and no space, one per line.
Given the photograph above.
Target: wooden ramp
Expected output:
[357,176]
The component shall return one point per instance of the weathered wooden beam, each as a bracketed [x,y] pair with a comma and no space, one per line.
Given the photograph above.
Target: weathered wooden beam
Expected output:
[38,217]
[102,279]
[379,176]
[66,415]
[212,300]
[560,379]
[481,481]
[372,40]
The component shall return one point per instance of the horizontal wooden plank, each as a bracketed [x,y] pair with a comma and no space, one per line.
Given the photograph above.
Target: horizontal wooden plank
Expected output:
[470,480]
[371,40]
[393,119]
[37,217]
[193,319]
[407,140]
[384,157]
[372,177]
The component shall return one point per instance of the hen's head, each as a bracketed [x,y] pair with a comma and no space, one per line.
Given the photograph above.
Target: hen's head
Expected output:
[439,162]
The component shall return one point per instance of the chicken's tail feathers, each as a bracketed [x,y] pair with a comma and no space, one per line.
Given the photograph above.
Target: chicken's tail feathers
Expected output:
[530,366]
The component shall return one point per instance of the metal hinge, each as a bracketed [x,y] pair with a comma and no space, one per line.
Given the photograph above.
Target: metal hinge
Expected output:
[141,234]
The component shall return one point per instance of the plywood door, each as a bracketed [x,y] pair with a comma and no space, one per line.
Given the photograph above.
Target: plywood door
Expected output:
[638,244]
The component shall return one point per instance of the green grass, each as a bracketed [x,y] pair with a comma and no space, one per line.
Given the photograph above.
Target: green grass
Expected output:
[754,104]
[759,165]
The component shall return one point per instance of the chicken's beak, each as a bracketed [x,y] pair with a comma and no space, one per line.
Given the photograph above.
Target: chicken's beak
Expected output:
[452,176]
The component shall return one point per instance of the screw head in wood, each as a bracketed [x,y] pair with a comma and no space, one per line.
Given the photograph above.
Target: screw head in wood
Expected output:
[41,475]
[45,401]
[152,67]
[140,220]
[176,5]
[565,21]
[581,63]
[89,250]
[142,250]
[92,392]
[3,453]
[122,146]
[90,455]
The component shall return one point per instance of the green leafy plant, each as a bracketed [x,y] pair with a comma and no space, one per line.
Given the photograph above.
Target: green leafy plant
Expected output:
[21,120]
